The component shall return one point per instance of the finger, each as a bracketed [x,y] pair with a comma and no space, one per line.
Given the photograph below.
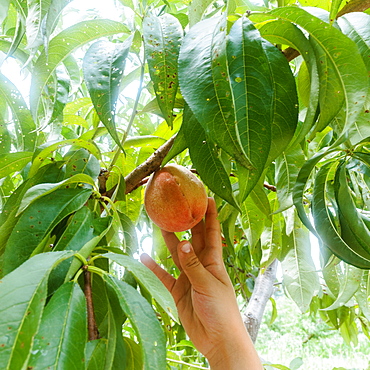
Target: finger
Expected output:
[199,277]
[198,237]
[172,241]
[167,279]
[213,232]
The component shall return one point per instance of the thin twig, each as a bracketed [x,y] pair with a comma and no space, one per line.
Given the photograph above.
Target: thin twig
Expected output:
[133,115]
[93,332]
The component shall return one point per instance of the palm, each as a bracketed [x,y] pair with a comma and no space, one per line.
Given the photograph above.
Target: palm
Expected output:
[195,302]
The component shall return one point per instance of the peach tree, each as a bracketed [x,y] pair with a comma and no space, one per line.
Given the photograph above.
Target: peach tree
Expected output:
[266,101]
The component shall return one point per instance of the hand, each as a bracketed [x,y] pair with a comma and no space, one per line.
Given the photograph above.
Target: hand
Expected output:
[205,297]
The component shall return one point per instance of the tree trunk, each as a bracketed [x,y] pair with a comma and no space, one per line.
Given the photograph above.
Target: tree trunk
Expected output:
[263,289]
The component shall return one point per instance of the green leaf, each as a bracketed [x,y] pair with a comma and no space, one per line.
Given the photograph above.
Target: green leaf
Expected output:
[61,338]
[81,161]
[145,323]
[61,46]
[331,96]
[162,39]
[282,32]
[110,318]
[349,285]
[130,241]
[144,141]
[103,67]
[5,139]
[350,217]
[339,53]
[37,10]
[20,31]
[285,101]
[252,88]
[102,226]
[335,5]
[287,166]
[133,358]
[7,216]
[40,190]
[274,312]
[96,354]
[362,295]
[332,274]
[271,237]
[299,273]
[14,162]
[252,221]
[228,218]
[24,125]
[77,105]
[72,119]
[303,84]
[260,198]
[301,182]
[205,158]
[21,7]
[59,95]
[356,26]
[37,221]
[45,152]
[178,146]
[73,71]
[324,224]
[119,317]
[23,295]
[148,280]
[52,17]
[78,232]
[196,10]
[202,62]
[297,362]
[4,7]
[349,332]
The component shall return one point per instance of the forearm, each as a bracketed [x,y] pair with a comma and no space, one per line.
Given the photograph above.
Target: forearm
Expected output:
[236,354]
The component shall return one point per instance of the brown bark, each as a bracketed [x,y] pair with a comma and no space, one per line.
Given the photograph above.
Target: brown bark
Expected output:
[354,6]
[92,328]
[148,167]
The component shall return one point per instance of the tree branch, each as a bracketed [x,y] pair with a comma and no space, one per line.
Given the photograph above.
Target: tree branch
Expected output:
[145,180]
[263,289]
[92,328]
[148,167]
[354,6]
[350,7]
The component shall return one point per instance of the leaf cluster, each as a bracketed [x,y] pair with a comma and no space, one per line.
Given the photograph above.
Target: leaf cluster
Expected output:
[269,104]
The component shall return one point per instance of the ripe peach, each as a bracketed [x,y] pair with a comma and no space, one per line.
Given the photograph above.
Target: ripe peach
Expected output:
[175,199]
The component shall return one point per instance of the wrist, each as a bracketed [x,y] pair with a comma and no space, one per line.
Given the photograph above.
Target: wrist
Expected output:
[237,353]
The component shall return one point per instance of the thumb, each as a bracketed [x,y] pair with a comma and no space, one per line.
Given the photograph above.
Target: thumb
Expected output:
[191,266]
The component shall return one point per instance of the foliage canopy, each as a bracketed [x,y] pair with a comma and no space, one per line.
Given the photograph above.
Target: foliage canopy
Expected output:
[267,100]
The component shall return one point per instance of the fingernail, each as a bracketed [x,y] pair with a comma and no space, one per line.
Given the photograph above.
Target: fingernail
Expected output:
[186,247]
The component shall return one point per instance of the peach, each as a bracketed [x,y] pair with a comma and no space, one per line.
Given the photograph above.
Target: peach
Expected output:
[175,199]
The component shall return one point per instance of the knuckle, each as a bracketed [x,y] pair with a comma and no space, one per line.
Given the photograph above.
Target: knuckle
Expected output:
[192,262]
